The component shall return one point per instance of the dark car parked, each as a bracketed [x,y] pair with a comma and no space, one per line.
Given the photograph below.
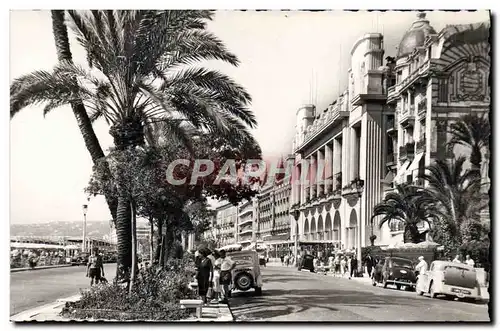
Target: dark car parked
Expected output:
[306,262]
[396,271]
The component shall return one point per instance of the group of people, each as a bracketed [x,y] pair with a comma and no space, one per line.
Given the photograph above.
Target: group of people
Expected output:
[468,260]
[213,275]
[343,266]
[287,260]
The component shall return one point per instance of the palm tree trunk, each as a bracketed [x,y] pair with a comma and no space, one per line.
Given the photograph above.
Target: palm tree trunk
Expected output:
[134,247]
[61,39]
[124,236]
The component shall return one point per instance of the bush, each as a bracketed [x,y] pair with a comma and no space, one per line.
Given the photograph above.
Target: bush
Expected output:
[479,251]
[155,296]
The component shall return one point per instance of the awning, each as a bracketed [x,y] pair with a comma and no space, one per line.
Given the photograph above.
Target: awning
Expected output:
[415,163]
[401,171]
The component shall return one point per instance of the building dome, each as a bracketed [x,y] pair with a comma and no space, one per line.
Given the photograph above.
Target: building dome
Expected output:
[415,36]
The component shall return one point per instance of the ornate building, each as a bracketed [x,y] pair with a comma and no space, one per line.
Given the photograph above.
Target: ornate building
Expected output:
[385,128]
[338,155]
[439,78]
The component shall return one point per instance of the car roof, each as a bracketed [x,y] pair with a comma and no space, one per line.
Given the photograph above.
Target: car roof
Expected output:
[398,258]
[453,264]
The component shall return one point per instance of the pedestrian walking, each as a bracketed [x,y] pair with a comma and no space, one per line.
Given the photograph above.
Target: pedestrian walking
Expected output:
[282,257]
[287,260]
[204,275]
[354,268]
[216,278]
[421,267]
[369,263]
[338,267]
[343,266]
[95,267]
[227,265]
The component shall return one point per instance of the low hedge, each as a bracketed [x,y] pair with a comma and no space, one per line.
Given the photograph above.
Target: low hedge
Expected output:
[155,296]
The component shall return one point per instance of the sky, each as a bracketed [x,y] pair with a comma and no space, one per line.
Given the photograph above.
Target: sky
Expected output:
[287,59]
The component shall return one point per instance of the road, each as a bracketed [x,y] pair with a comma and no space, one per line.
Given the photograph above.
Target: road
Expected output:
[291,295]
[29,289]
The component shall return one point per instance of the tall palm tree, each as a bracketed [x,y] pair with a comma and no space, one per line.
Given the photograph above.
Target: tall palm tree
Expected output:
[472,131]
[410,205]
[140,77]
[457,190]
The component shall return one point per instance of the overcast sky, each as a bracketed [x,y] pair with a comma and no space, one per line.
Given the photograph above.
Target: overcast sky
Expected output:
[284,55]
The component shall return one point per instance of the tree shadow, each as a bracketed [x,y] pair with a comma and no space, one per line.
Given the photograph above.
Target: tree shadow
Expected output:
[278,302]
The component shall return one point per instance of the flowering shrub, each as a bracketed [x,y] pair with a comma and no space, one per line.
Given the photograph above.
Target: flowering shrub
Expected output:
[155,296]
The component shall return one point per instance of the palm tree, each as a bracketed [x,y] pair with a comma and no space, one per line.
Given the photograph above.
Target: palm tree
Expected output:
[410,205]
[140,77]
[472,131]
[457,190]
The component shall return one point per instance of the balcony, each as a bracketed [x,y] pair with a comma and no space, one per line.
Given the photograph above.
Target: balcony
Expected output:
[246,230]
[421,145]
[391,92]
[245,221]
[407,117]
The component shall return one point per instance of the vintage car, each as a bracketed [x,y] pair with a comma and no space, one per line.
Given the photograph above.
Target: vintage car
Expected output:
[306,262]
[246,275]
[453,280]
[396,271]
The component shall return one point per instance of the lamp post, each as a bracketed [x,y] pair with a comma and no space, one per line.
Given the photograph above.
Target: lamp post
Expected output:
[359,184]
[296,214]
[84,208]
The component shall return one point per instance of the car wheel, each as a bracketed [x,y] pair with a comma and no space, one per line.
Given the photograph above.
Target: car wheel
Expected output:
[450,297]
[420,292]
[431,291]
[398,287]
[243,281]
[258,290]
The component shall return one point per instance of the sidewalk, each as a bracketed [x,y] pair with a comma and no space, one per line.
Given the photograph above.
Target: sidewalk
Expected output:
[51,312]
[42,267]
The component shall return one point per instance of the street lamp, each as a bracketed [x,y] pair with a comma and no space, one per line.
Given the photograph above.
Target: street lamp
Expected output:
[359,184]
[85,207]
[296,214]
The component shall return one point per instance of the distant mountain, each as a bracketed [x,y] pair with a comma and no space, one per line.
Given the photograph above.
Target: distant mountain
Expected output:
[96,229]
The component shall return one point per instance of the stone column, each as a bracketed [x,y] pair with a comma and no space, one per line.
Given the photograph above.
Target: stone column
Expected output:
[312,176]
[345,155]
[353,151]
[337,160]
[320,172]
[328,168]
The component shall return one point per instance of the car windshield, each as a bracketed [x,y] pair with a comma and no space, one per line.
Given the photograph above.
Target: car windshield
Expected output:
[402,263]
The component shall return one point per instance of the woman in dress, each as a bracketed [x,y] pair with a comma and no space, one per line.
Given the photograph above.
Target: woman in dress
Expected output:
[204,275]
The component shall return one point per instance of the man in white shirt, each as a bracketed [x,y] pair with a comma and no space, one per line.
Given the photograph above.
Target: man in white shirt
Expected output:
[227,265]
[421,266]
[457,259]
[469,261]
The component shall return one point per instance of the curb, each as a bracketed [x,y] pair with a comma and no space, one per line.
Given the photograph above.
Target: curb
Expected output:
[43,267]
[52,310]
